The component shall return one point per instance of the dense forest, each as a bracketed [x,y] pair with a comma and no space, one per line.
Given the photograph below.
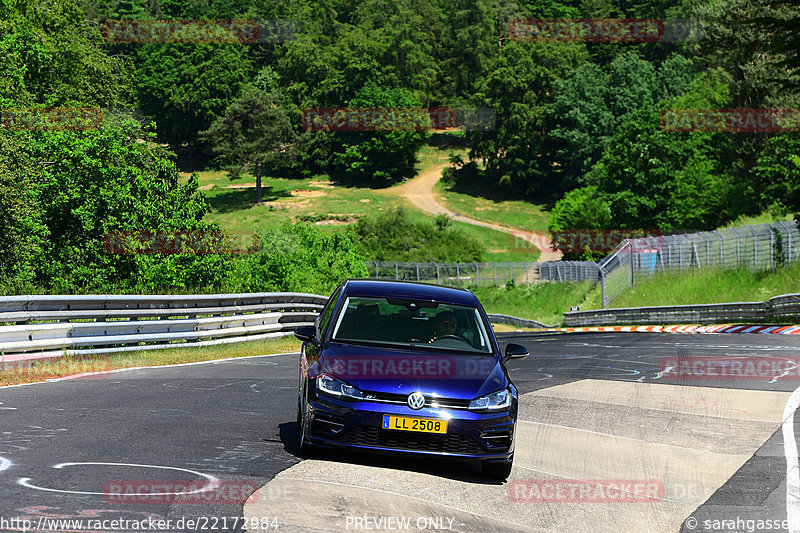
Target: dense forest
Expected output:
[578,125]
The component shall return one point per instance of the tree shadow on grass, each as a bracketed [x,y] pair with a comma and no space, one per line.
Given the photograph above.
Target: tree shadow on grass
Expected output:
[481,185]
[229,200]
[447,140]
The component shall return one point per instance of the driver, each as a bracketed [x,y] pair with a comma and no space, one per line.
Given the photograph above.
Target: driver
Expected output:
[445,325]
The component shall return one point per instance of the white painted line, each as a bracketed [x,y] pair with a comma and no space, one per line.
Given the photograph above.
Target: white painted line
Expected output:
[5,464]
[212,484]
[792,472]
[213,361]
[784,373]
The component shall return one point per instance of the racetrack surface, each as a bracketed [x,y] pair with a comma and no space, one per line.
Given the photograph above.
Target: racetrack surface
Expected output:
[593,410]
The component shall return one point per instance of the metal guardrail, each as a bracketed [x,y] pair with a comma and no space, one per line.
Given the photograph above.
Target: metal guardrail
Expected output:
[496,318]
[784,306]
[51,326]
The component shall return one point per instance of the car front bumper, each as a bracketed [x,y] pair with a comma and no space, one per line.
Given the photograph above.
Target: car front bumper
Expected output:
[358,425]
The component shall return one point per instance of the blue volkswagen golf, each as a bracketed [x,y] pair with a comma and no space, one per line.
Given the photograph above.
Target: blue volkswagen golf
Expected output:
[407,368]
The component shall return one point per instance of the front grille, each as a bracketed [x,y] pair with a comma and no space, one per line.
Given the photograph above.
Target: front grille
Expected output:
[373,436]
[443,403]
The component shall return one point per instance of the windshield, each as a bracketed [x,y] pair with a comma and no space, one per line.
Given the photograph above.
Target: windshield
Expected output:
[401,322]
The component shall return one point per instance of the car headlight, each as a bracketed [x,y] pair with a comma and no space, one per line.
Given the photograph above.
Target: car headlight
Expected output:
[336,387]
[491,402]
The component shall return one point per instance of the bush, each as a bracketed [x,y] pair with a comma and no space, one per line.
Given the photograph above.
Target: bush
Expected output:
[298,258]
[393,236]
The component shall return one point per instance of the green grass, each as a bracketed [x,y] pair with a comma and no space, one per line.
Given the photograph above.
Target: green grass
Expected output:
[499,246]
[71,365]
[711,286]
[287,199]
[493,205]
[545,302]
[763,218]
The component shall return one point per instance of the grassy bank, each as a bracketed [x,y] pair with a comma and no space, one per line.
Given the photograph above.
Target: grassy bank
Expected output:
[545,302]
[72,365]
[548,301]
[711,286]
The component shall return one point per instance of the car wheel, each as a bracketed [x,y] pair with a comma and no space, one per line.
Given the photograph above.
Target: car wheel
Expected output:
[499,471]
[304,425]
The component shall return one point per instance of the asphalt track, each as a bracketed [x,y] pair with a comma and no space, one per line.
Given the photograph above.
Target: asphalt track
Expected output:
[596,411]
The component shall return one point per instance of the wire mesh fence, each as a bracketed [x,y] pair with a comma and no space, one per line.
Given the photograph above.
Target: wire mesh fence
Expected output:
[456,274]
[757,247]
[560,271]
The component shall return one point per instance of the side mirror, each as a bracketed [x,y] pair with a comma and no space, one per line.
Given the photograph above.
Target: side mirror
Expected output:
[306,334]
[515,351]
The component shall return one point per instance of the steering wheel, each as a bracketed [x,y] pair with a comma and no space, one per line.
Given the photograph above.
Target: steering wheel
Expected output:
[455,337]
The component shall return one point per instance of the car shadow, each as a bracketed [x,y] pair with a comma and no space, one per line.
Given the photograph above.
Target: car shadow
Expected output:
[466,471]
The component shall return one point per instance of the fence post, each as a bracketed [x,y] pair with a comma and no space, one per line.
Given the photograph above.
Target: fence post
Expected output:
[376,268]
[417,265]
[477,274]
[755,247]
[396,271]
[458,275]
[633,269]
[721,248]
[438,282]
[738,247]
[527,268]
[495,274]
[511,266]
[772,245]
[602,286]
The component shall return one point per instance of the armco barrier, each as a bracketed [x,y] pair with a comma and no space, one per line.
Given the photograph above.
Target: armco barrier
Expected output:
[495,318]
[777,307]
[50,326]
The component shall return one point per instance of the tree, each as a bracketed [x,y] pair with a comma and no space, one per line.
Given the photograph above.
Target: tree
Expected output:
[21,231]
[378,157]
[592,101]
[254,134]
[517,87]
[657,179]
[52,56]
[184,87]
[90,185]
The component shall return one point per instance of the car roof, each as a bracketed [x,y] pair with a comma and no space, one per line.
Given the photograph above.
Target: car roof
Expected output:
[409,289]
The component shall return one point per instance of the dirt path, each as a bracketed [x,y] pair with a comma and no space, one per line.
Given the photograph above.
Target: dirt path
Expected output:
[420,192]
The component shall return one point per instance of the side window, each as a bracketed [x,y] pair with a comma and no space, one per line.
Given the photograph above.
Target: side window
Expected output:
[325,315]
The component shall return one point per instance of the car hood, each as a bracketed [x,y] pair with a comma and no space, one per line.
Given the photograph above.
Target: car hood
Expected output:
[453,375]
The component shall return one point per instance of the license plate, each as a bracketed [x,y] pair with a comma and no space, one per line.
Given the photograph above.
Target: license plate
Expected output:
[407,423]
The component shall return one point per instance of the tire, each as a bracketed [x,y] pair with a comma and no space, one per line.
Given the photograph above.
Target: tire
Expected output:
[304,426]
[498,471]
